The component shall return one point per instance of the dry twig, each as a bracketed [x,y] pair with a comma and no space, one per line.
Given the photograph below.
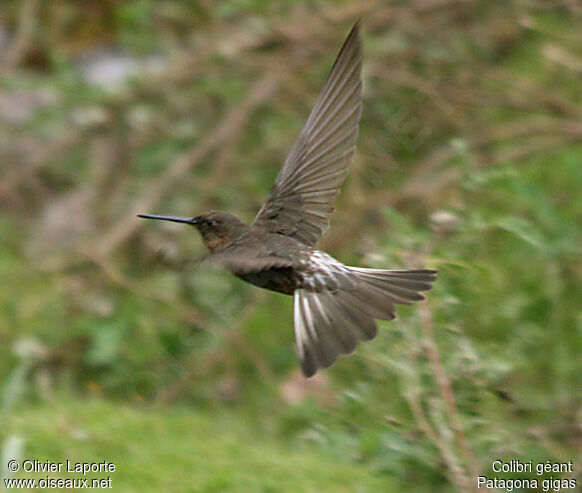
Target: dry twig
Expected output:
[23,38]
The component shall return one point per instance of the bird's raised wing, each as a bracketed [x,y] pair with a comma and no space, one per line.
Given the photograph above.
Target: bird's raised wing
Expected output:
[306,187]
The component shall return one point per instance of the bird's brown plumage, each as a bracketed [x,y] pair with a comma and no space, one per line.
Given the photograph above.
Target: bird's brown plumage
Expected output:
[334,305]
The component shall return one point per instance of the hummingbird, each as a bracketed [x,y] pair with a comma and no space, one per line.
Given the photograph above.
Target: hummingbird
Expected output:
[335,305]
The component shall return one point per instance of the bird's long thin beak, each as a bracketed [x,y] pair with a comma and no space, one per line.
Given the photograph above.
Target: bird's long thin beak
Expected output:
[176,219]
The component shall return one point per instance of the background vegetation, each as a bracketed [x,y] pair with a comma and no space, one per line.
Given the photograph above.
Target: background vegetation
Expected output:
[113,347]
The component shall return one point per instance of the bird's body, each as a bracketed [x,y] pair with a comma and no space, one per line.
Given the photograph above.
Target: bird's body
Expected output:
[289,257]
[267,260]
[334,305]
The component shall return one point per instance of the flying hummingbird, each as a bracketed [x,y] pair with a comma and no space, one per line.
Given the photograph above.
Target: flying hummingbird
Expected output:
[334,305]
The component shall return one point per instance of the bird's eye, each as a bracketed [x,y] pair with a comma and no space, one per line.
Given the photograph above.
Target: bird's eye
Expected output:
[210,223]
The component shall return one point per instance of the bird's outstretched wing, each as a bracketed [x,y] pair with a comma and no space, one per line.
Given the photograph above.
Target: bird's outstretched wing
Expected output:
[306,187]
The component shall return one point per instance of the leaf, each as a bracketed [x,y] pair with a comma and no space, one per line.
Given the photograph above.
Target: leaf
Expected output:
[522,229]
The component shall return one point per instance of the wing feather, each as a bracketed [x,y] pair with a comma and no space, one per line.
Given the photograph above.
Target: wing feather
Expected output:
[305,189]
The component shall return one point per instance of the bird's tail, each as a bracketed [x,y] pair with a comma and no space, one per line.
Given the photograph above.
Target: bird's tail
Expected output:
[329,323]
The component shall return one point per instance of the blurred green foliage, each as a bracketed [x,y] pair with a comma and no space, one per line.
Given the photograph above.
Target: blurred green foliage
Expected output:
[193,451]
[469,161]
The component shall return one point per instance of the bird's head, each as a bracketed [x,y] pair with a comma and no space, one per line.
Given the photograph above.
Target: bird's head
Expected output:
[217,228]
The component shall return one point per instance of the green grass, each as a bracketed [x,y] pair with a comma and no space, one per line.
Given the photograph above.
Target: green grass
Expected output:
[179,450]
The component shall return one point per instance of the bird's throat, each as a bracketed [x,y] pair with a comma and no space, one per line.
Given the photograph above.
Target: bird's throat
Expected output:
[215,243]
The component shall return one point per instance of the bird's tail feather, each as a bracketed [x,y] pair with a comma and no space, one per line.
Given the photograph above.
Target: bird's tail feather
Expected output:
[328,324]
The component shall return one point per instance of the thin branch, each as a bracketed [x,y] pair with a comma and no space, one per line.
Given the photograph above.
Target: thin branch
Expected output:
[27,21]
[445,387]
[456,473]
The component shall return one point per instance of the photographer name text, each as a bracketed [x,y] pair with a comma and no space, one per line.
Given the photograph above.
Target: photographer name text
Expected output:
[67,466]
